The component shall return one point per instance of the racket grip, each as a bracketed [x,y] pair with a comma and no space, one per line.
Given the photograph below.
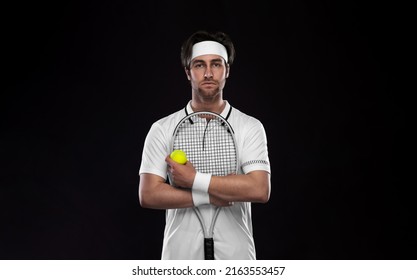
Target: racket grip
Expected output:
[208,249]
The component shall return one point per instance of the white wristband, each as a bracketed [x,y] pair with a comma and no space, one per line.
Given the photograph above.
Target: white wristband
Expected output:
[200,189]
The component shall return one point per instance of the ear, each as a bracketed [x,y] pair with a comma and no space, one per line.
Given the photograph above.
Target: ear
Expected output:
[227,70]
[187,72]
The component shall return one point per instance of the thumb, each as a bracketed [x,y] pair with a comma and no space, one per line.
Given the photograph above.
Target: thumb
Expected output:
[189,163]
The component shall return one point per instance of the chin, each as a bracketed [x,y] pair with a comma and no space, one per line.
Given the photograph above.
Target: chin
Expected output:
[209,93]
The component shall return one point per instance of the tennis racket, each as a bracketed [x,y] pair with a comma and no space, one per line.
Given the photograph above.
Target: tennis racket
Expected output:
[209,142]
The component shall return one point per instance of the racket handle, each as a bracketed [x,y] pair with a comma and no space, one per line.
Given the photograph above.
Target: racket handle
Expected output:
[208,249]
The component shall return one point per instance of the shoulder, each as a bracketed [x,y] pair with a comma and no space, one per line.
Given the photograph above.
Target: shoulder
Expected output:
[163,128]
[242,120]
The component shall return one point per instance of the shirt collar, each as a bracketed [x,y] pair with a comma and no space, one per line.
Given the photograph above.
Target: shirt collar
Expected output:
[225,114]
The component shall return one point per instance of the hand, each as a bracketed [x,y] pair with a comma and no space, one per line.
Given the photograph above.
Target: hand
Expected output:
[181,174]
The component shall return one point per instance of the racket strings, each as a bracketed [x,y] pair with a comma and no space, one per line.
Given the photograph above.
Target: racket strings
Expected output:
[208,144]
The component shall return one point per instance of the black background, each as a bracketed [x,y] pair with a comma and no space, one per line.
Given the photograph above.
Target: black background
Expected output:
[85,80]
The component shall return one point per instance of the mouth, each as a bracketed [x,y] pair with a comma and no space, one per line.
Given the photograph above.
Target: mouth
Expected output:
[208,84]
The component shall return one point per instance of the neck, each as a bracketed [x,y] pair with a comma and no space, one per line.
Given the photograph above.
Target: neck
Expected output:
[216,105]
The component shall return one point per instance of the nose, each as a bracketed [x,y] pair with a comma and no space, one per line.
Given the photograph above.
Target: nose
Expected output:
[208,73]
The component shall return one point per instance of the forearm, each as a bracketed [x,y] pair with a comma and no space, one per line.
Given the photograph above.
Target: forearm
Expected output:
[155,193]
[251,187]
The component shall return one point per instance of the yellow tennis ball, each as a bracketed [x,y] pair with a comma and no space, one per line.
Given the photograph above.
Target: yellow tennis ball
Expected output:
[179,156]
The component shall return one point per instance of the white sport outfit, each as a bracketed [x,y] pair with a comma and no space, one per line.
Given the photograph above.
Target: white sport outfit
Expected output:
[233,236]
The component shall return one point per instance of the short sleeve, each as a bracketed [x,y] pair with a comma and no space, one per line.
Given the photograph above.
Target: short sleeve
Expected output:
[254,155]
[154,152]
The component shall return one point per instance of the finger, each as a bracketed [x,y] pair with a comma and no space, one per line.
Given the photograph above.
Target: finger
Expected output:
[169,160]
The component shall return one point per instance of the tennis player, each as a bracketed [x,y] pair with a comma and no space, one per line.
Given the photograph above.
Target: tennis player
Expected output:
[206,58]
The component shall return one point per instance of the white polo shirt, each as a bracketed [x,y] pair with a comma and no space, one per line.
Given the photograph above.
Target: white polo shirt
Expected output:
[233,236]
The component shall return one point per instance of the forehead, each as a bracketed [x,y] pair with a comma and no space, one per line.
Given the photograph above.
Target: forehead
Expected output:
[207,58]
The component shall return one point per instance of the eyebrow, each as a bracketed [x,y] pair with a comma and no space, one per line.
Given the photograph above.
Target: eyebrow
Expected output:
[211,61]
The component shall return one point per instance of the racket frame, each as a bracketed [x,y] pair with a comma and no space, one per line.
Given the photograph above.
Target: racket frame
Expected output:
[208,233]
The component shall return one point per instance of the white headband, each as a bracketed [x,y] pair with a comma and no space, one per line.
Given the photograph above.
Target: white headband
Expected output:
[209,47]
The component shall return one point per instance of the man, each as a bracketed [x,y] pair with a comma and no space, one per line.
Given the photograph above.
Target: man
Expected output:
[206,58]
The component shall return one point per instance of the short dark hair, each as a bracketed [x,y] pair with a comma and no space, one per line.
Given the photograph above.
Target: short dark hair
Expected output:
[202,35]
